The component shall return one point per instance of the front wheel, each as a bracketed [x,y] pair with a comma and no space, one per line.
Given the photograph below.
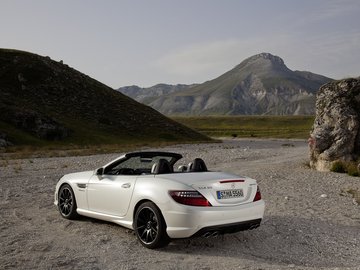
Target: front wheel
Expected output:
[150,227]
[67,203]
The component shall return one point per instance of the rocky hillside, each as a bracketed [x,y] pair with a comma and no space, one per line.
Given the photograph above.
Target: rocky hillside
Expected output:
[261,84]
[149,94]
[42,100]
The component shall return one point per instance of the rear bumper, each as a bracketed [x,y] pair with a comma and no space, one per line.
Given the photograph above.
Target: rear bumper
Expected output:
[228,228]
[187,221]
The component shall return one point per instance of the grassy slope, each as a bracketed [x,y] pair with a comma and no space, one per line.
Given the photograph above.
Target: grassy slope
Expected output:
[251,126]
[95,113]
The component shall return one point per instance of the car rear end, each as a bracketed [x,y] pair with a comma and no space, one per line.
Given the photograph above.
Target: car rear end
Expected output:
[213,203]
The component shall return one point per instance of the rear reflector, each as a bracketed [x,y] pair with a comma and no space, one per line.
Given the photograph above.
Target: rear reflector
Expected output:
[232,181]
[186,197]
[257,195]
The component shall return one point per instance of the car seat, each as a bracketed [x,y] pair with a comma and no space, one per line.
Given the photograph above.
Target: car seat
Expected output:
[161,167]
[197,165]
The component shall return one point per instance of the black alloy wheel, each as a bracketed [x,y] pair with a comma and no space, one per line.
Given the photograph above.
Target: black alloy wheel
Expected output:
[67,203]
[150,226]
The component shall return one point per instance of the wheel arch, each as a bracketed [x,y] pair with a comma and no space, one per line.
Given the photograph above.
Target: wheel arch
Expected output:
[73,205]
[137,205]
[61,185]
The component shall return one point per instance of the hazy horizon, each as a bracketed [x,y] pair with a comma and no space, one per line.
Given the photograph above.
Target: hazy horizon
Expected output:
[144,43]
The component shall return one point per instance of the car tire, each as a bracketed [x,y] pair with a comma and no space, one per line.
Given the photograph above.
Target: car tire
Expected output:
[67,202]
[150,226]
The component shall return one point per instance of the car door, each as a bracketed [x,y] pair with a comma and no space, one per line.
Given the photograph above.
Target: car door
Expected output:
[110,194]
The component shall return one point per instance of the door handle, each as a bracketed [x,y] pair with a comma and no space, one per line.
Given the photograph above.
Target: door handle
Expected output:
[126,185]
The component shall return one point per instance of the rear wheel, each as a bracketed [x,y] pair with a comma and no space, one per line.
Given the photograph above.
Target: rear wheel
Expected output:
[67,203]
[150,227]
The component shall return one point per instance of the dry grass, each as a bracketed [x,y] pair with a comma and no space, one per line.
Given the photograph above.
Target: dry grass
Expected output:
[21,152]
[355,193]
[250,126]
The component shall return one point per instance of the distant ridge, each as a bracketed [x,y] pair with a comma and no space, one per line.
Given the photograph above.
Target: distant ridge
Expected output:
[44,100]
[147,95]
[259,85]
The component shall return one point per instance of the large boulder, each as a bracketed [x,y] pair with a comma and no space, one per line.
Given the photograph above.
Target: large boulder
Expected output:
[335,135]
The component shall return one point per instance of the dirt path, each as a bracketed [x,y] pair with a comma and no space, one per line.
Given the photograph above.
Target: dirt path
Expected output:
[310,221]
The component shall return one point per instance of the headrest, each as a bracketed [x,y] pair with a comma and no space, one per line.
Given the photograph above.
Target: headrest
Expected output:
[161,167]
[198,165]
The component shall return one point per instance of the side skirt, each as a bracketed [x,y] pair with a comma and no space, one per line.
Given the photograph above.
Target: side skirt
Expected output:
[115,219]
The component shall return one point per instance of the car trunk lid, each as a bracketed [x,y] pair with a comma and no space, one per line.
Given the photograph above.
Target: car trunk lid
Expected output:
[221,189]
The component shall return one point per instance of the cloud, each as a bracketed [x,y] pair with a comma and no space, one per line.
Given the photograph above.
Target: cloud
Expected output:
[333,54]
[205,60]
[197,58]
[324,40]
[335,8]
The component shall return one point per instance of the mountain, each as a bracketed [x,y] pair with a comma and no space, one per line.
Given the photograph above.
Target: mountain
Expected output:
[43,100]
[147,95]
[261,84]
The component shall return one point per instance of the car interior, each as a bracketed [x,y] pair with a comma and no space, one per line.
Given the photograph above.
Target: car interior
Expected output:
[153,163]
[162,166]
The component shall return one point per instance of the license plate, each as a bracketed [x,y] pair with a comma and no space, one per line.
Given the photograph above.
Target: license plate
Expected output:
[229,194]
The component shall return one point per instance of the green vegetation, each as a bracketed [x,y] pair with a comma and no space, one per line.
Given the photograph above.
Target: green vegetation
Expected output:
[46,105]
[349,167]
[250,126]
[338,167]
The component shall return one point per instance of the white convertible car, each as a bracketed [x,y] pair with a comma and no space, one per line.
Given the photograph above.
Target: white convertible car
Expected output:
[141,191]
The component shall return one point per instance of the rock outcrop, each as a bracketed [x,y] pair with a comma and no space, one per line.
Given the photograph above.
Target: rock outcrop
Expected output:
[336,131]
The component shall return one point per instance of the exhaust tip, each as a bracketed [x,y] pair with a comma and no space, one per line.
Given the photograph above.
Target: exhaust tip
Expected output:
[211,234]
[252,227]
[206,235]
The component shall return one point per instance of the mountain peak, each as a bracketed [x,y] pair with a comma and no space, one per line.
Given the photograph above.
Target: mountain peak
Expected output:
[261,84]
[265,56]
[262,64]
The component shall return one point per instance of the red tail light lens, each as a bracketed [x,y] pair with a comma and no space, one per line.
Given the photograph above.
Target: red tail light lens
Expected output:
[257,195]
[186,197]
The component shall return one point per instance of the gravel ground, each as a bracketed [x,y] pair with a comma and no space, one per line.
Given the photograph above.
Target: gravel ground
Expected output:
[310,221]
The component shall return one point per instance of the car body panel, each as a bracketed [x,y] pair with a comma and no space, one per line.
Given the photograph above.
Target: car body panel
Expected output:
[186,221]
[110,194]
[115,198]
[208,183]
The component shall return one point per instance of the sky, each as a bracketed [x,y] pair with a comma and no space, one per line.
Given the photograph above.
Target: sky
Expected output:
[146,42]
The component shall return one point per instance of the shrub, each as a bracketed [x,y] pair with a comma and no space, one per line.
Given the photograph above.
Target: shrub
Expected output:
[350,168]
[338,167]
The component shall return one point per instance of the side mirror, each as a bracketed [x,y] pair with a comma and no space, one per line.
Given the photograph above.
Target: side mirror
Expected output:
[100,171]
